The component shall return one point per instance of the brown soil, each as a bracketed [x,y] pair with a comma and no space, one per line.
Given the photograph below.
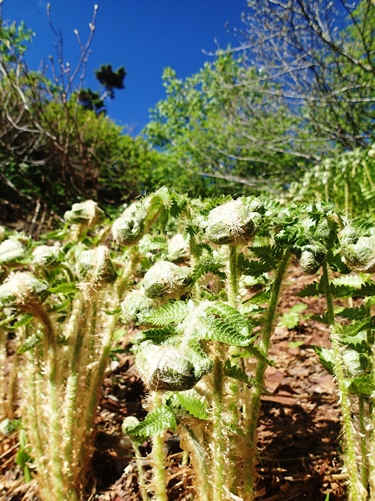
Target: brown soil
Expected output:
[299,428]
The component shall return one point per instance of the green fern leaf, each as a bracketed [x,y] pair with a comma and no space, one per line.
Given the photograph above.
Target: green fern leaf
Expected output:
[354,328]
[311,290]
[219,330]
[225,324]
[342,291]
[252,267]
[362,385]
[367,289]
[66,288]
[229,315]
[336,264]
[177,204]
[208,265]
[353,313]
[191,402]
[24,320]
[157,336]
[30,343]
[355,281]
[155,423]
[235,372]
[171,313]
[325,357]
[268,253]
[261,297]
[358,341]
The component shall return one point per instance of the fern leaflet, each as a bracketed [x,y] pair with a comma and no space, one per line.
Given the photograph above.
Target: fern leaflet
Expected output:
[155,423]
[191,402]
[171,313]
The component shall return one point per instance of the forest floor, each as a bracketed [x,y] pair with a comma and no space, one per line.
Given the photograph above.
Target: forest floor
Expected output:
[298,432]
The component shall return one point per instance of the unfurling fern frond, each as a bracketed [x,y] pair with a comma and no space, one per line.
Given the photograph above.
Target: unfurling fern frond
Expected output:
[155,423]
[191,402]
[171,313]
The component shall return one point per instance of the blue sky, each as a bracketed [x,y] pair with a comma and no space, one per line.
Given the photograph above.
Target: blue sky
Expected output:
[144,36]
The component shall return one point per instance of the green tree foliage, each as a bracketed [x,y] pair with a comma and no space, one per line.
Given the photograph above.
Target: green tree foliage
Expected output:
[347,179]
[322,56]
[55,145]
[303,86]
[222,135]
[110,79]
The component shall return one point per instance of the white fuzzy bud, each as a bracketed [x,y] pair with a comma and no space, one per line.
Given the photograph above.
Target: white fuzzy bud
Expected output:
[11,251]
[165,279]
[234,222]
[358,251]
[95,265]
[136,306]
[178,248]
[47,255]
[22,290]
[86,213]
[312,257]
[129,227]
[165,368]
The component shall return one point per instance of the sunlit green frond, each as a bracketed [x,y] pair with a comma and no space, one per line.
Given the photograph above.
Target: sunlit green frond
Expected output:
[310,290]
[208,264]
[325,357]
[362,385]
[225,324]
[354,328]
[353,313]
[155,423]
[253,267]
[235,372]
[171,313]
[157,336]
[191,402]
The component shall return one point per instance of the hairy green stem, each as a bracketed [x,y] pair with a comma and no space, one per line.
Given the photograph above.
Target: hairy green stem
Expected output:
[94,382]
[268,327]
[33,421]
[348,210]
[199,462]
[218,435]
[76,332]
[159,470]
[141,472]
[355,486]
[12,389]
[3,386]
[232,283]
[363,434]
[55,408]
[371,447]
